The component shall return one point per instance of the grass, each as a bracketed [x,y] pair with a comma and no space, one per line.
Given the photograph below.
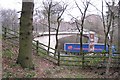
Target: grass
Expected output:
[14,65]
[30,75]
[76,60]
[41,52]
[8,74]
[77,75]
[8,53]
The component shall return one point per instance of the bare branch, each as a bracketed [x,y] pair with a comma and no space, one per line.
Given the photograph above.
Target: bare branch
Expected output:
[78,7]
[61,13]
[103,19]
[87,2]
[84,13]
[95,7]
[76,21]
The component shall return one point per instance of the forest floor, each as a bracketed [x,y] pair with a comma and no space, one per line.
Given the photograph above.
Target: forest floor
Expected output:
[46,69]
[0,57]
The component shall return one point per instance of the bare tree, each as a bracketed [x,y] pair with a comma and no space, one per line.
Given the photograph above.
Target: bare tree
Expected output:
[59,19]
[110,25]
[83,15]
[25,35]
[119,27]
[49,11]
[49,24]
[107,23]
[9,18]
[39,21]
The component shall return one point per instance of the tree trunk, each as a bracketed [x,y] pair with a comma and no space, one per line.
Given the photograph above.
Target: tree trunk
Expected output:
[56,46]
[119,28]
[81,33]
[49,25]
[105,42]
[109,61]
[25,36]
[110,52]
[110,47]
[48,42]
[81,50]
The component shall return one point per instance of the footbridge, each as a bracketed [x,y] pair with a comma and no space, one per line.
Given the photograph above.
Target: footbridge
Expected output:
[43,37]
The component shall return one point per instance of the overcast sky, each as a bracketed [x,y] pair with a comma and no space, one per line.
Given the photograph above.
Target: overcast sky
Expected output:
[16,4]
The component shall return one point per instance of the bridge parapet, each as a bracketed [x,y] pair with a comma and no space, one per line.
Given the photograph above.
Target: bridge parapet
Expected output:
[59,33]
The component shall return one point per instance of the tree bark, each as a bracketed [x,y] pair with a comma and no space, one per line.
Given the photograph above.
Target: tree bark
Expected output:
[56,46]
[119,28]
[25,36]
[110,42]
[49,25]
[59,19]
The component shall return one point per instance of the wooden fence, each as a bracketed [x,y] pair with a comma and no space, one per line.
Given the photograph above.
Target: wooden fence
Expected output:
[63,57]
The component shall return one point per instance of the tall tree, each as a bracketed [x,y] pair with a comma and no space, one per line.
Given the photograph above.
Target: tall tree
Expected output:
[119,27]
[83,15]
[25,36]
[50,11]
[106,23]
[59,19]
[111,26]
[48,6]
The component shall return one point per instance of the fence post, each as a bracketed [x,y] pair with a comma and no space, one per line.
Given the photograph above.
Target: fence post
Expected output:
[58,58]
[5,32]
[83,60]
[37,44]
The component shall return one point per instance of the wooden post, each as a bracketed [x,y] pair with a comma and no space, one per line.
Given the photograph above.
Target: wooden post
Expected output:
[5,32]
[37,44]
[83,60]
[58,58]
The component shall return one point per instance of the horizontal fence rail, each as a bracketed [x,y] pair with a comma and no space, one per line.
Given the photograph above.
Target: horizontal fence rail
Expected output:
[62,57]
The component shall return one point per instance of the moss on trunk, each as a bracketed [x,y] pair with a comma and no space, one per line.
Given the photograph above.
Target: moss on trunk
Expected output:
[25,39]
